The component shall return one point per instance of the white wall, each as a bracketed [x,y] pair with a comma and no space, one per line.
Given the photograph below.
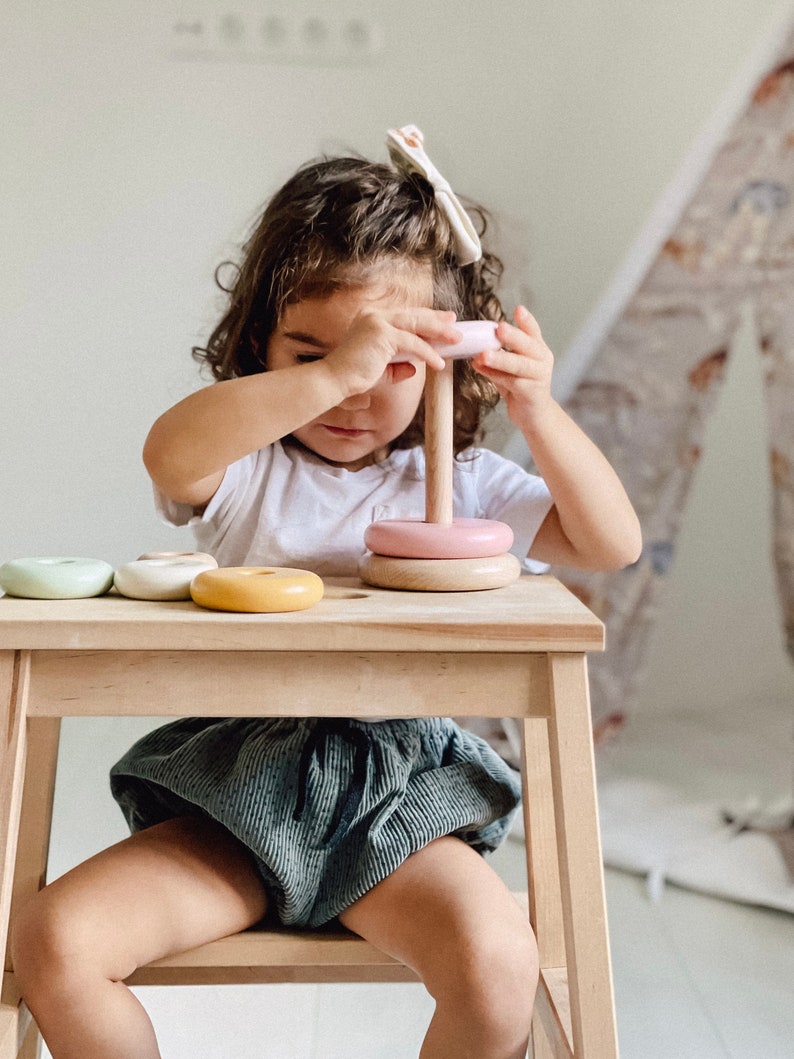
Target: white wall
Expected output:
[127,175]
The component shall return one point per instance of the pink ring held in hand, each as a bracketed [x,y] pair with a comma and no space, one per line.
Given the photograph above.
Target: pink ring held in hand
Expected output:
[466,538]
[478,335]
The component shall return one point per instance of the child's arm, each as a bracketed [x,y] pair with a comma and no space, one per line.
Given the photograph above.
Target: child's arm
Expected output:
[592,524]
[190,446]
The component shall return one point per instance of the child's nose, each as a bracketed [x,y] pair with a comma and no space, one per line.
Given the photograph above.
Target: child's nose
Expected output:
[357,402]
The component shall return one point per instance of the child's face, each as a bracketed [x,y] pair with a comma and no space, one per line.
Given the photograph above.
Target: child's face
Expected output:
[359,431]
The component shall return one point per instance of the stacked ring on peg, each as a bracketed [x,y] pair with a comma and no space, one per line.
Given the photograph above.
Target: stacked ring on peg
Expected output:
[442,553]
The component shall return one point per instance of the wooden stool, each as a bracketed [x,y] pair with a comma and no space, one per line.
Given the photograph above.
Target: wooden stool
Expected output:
[518,651]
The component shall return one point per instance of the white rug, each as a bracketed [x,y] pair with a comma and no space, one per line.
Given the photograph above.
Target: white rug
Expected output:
[689,797]
[659,831]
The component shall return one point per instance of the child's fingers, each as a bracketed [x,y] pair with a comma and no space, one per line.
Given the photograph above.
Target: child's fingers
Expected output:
[434,325]
[519,355]
[508,364]
[527,323]
[525,339]
[417,328]
[410,347]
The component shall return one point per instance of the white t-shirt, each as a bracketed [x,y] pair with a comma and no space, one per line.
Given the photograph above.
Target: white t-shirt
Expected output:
[284,506]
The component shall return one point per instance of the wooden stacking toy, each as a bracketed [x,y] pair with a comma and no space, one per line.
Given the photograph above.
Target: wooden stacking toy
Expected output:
[442,553]
[55,577]
[257,589]
[162,576]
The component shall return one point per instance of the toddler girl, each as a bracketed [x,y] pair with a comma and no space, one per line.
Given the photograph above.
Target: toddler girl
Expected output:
[312,429]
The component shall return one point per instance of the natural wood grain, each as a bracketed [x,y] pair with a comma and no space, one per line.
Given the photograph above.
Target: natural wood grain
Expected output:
[250,683]
[439,454]
[545,908]
[441,575]
[14,672]
[33,845]
[581,867]
[552,1007]
[532,614]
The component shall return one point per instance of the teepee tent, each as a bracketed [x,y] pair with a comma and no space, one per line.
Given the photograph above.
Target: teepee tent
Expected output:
[642,378]
[645,371]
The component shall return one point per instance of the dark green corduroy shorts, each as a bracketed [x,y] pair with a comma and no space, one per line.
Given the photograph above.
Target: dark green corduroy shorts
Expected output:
[327,807]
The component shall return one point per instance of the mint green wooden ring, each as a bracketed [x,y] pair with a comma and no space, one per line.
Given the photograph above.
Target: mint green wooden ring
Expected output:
[55,577]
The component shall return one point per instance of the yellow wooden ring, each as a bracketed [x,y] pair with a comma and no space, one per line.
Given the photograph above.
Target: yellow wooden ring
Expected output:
[256,589]
[440,575]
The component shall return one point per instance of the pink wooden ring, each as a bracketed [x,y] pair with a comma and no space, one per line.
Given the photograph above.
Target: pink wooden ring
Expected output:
[466,538]
[477,336]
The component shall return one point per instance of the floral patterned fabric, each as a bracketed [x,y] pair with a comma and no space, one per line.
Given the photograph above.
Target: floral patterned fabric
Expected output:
[647,393]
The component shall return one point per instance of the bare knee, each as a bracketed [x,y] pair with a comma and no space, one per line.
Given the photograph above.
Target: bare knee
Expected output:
[490,979]
[55,940]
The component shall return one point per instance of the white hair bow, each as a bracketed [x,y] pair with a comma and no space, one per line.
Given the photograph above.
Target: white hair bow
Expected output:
[406,150]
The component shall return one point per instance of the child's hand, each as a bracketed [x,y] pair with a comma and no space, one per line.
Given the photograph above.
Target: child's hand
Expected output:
[389,341]
[521,370]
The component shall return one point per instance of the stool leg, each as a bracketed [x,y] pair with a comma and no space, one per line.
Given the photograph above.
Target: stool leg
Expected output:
[579,850]
[33,845]
[34,832]
[543,877]
[14,671]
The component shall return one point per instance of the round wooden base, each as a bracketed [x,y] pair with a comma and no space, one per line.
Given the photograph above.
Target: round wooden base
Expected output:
[440,575]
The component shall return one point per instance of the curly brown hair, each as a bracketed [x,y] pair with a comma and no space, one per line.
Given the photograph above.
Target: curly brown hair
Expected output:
[332,223]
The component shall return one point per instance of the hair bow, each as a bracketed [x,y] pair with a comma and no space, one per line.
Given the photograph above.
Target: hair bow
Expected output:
[406,150]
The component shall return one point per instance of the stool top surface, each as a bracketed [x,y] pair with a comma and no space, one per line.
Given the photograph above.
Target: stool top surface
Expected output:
[536,613]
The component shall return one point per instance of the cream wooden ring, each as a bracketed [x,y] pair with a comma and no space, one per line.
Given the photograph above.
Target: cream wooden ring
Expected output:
[466,538]
[56,577]
[440,575]
[161,579]
[256,589]
[204,557]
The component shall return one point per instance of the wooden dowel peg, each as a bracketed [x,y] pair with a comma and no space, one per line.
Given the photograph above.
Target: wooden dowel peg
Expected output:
[439,454]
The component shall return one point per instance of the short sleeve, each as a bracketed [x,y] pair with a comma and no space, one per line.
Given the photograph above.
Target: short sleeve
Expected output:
[511,494]
[175,514]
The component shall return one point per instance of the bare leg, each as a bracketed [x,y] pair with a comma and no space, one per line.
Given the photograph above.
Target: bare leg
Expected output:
[169,888]
[446,913]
